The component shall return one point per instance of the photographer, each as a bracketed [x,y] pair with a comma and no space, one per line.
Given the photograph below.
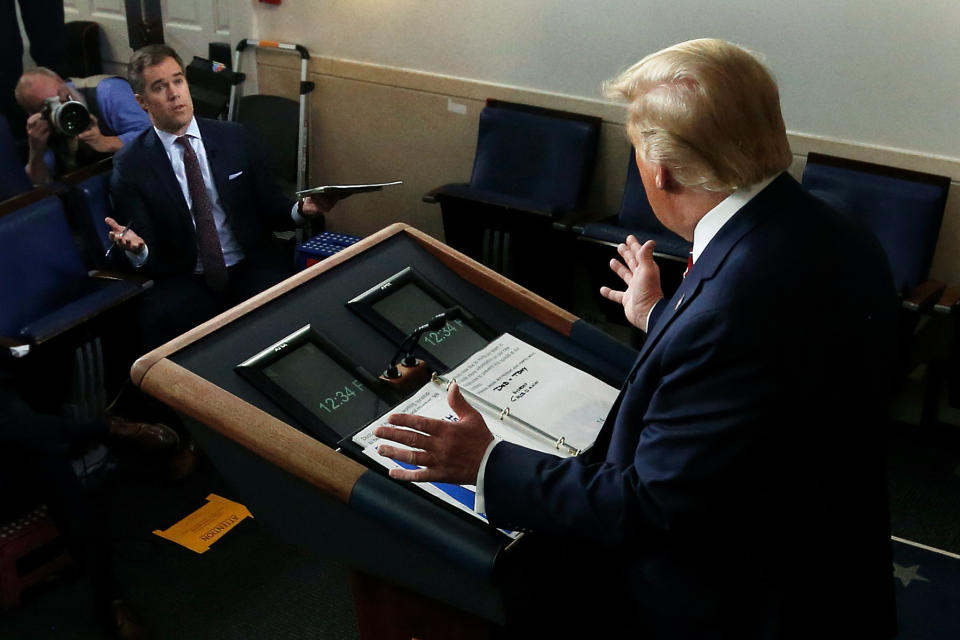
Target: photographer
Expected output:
[76,123]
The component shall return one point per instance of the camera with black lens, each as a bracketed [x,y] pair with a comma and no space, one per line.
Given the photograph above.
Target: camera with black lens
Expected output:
[69,118]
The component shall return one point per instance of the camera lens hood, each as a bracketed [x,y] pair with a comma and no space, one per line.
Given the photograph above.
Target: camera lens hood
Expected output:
[69,118]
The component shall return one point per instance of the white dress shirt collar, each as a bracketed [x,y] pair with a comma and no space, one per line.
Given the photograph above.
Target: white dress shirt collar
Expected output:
[714,219]
[167,138]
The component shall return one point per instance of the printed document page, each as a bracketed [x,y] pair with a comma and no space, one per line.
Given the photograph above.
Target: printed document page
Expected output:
[560,400]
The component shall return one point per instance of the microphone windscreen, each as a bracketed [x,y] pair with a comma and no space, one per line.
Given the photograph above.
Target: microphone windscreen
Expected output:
[437,322]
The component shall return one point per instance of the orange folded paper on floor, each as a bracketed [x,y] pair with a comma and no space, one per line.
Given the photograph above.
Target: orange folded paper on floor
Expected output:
[207,524]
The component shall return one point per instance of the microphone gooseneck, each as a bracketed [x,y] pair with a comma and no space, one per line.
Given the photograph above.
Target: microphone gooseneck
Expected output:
[405,353]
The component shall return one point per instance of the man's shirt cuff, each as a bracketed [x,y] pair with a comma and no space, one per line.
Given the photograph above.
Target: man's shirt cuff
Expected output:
[479,504]
[646,325]
[138,259]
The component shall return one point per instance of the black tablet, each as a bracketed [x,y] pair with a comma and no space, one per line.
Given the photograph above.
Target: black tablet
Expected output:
[406,301]
[317,384]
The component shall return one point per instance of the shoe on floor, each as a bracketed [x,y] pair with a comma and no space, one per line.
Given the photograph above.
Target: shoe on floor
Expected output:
[145,436]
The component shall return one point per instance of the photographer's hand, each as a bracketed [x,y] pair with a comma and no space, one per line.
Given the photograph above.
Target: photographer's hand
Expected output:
[38,136]
[97,141]
[38,132]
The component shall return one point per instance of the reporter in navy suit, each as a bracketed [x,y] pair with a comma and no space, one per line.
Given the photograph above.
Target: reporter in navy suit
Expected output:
[737,489]
[170,181]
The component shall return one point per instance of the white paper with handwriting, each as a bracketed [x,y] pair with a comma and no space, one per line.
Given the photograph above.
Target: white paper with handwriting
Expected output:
[541,390]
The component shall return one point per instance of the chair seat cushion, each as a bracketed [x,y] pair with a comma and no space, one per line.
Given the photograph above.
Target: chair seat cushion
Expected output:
[606,232]
[105,294]
[482,196]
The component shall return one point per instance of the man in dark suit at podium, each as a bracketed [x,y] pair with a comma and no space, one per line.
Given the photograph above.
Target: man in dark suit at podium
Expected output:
[737,488]
[196,206]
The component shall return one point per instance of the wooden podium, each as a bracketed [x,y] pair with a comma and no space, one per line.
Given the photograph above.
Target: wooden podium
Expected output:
[431,572]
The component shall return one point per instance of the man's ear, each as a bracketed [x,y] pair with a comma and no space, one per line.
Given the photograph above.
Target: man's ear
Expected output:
[662,177]
[140,101]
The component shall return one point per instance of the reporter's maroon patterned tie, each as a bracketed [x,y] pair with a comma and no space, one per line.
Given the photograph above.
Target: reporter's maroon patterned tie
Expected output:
[208,242]
[689,264]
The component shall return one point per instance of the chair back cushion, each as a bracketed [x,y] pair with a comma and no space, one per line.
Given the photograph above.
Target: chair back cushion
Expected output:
[39,262]
[903,209]
[13,177]
[273,123]
[534,154]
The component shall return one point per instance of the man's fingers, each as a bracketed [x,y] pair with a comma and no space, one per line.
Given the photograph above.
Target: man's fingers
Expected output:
[112,224]
[618,268]
[426,425]
[629,253]
[610,294]
[646,250]
[409,456]
[414,475]
[457,402]
[403,436]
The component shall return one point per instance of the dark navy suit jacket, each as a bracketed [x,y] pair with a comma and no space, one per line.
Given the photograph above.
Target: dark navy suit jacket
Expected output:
[737,487]
[147,195]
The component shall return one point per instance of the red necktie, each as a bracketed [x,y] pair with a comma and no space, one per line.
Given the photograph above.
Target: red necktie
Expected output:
[208,242]
[689,264]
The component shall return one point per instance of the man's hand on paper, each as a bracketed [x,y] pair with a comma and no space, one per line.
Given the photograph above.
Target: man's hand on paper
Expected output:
[449,452]
[642,277]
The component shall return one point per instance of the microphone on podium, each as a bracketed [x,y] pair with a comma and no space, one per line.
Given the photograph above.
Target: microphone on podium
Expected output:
[404,353]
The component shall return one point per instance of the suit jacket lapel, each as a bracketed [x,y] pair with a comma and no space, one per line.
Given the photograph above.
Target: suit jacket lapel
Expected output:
[211,143]
[159,164]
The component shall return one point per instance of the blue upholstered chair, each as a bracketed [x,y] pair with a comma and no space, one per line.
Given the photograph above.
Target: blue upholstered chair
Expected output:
[636,217]
[89,203]
[13,177]
[46,290]
[532,168]
[902,208]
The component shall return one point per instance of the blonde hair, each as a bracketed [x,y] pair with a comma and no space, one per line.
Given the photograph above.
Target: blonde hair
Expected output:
[709,111]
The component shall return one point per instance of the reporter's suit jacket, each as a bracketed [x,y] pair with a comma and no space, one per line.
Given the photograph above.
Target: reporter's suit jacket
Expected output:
[146,194]
[737,486]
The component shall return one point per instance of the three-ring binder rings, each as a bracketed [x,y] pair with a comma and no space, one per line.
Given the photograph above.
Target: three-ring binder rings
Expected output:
[526,396]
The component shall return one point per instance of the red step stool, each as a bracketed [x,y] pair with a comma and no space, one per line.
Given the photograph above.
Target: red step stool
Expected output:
[18,539]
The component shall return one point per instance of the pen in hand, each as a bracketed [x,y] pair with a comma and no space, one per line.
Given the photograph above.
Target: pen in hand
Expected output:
[117,239]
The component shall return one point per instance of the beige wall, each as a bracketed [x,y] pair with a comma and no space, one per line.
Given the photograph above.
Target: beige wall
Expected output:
[376,123]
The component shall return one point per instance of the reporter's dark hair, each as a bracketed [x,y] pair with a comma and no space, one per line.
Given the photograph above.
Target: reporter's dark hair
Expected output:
[148,56]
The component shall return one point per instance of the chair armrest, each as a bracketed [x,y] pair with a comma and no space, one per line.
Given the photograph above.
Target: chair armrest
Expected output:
[949,301]
[107,295]
[8,342]
[923,296]
[494,199]
[106,274]
[430,197]
[26,198]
